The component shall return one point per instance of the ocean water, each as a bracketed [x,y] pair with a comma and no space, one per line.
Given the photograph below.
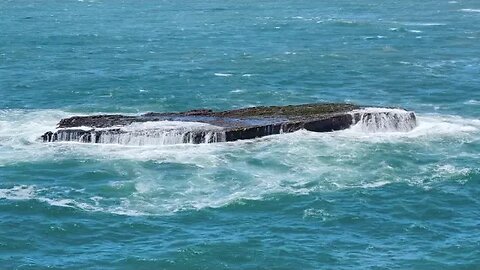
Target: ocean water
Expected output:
[352,199]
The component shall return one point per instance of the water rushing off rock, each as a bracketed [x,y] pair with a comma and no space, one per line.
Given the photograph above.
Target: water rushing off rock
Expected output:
[383,120]
[207,126]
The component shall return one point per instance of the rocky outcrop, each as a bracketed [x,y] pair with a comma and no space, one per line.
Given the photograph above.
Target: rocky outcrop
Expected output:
[207,126]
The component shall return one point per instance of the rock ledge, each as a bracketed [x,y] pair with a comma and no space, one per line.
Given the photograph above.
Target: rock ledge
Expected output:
[211,126]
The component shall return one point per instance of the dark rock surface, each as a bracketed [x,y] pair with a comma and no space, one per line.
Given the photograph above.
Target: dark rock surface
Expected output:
[229,125]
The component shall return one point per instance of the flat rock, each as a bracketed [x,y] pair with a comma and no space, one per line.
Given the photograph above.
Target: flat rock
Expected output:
[206,126]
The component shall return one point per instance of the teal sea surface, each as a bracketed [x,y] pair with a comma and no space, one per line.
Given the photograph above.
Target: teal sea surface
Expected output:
[349,199]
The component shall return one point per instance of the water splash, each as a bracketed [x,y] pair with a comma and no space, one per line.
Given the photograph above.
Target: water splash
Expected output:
[161,180]
[148,133]
[373,120]
[161,137]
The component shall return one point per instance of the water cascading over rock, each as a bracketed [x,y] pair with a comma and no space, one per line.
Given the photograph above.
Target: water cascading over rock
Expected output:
[383,120]
[207,126]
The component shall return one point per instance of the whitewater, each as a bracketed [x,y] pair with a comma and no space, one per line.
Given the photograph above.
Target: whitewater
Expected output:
[20,143]
[393,191]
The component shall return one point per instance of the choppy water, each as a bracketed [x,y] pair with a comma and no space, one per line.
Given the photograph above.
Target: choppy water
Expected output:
[350,199]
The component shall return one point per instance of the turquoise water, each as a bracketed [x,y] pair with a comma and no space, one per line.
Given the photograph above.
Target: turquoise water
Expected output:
[341,200]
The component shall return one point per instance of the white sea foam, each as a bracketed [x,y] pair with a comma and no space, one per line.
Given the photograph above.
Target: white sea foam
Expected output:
[22,192]
[215,175]
[472,102]
[449,170]
[25,124]
[470,10]
[31,192]
[429,127]
[237,91]
[375,184]
[383,120]
[222,74]
[20,130]
[316,213]
[423,24]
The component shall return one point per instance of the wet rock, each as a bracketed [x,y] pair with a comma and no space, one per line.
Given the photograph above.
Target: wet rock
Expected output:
[231,125]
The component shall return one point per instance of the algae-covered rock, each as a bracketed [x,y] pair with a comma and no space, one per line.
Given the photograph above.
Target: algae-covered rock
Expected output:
[207,126]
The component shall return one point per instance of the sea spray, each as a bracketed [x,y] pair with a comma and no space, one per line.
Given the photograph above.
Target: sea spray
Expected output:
[383,120]
[148,133]
[168,132]
[161,137]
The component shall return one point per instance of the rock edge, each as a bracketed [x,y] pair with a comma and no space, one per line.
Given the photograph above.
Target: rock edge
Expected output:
[246,123]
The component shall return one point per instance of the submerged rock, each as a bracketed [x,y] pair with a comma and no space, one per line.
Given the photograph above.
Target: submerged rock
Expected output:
[207,126]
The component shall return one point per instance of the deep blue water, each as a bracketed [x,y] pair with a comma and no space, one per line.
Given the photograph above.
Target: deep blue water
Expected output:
[341,200]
